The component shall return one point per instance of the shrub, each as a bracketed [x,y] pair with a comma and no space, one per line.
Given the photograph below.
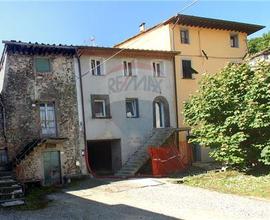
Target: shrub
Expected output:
[231,115]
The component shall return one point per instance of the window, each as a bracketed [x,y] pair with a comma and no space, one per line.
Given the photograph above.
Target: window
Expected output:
[96,67]
[234,40]
[158,69]
[187,69]
[100,106]
[132,108]
[184,36]
[127,68]
[47,119]
[42,65]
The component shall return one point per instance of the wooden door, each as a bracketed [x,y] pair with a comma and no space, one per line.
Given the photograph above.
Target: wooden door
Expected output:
[52,168]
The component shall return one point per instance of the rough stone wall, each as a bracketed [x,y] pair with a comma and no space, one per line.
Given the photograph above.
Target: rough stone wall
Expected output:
[24,89]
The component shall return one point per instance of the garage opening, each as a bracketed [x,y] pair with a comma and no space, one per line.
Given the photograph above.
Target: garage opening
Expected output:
[104,156]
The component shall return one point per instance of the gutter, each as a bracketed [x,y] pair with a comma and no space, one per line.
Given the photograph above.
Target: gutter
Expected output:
[83,114]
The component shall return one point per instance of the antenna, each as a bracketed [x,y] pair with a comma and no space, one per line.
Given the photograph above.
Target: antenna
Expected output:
[91,41]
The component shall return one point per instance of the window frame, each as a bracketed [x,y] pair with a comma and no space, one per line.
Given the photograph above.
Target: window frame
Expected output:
[35,64]
[106,106]
[235,37]
[161,66]
[45,106]
[187,37]
[136,101]
[103,108]
[94,72]
[126,68]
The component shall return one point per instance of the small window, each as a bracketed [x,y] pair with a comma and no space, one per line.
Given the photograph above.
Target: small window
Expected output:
[96,67]
[100,106]
[187,69]
[158,70]
[47,119]
[127,68]
[132,108]
[234,40]
[184,36]
[42,65]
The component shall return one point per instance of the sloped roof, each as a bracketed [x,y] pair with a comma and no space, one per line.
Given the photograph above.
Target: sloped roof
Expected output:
[203,22]
[41,48]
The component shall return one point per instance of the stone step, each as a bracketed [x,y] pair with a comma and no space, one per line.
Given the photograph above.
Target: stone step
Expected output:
[8,196]
[10,189]
[6,173]
[7,182]
[12,202]
[5,177]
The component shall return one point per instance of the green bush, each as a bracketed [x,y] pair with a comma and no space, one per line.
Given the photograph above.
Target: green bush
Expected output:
[258,44]
[231,115]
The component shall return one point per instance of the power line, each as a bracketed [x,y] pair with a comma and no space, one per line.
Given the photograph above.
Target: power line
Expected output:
[122,49]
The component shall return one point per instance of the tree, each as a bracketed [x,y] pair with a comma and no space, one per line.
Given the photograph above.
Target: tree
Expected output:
[231,115]
[258,44]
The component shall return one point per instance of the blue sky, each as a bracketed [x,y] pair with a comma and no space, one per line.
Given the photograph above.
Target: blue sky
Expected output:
[70,22]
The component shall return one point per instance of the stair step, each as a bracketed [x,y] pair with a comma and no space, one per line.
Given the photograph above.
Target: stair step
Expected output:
[12,202]
[9,189]
[5,177]
[141,156]
[7,182]
[5,173]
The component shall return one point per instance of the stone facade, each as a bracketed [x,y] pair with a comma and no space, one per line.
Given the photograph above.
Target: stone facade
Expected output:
[23,91]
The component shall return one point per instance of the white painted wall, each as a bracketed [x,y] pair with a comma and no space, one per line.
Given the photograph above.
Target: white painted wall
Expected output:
[2,73]
[131,131]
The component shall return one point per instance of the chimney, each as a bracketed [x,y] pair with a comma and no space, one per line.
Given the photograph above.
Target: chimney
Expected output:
[142,27]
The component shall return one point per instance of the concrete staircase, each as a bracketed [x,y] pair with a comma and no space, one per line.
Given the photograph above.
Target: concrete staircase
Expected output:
[141,156]
[11,192]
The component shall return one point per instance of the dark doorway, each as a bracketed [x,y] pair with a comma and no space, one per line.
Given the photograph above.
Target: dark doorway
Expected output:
[104,156]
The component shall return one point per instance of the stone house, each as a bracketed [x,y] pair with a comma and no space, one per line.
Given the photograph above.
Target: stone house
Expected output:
[40,131]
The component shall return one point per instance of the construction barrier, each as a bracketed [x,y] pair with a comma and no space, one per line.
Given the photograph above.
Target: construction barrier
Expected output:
[166,160]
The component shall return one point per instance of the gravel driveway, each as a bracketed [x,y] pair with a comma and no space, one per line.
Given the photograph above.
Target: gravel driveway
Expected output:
[144,199]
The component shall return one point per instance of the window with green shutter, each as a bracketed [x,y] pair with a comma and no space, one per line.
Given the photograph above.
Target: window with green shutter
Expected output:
[42,65]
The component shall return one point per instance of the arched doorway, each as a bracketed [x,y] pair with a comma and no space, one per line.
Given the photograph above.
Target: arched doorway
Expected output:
[161,113]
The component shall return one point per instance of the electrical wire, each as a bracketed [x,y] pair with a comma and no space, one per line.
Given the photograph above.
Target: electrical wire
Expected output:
[122,49]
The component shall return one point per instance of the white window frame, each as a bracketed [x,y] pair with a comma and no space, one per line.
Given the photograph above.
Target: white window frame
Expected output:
[101,65]
[162,68]
[104,108]
[45,129]
[133,67]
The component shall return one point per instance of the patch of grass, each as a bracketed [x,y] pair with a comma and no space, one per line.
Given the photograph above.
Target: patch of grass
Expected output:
[36,198]
[232,182]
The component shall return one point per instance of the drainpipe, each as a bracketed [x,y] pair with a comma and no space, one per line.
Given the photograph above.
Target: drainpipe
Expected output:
[83,114]
[3,117]
[174,70]
[175,91]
